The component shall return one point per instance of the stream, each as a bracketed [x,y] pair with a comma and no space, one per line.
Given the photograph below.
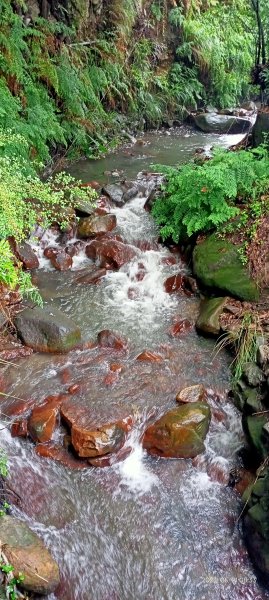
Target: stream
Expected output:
[144,528]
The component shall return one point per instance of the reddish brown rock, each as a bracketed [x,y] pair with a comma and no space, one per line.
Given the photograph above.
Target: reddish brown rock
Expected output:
[145,245]
[96,434]
[19,428]
[50,251]
[91,277]
[26,255]
[243,480]
[114,367]
[95,185]
[19,407]
[219,472]
[110,459]
[169,260]
[43,419]
[96,224]
[179,327]
[180,433]
[112,340]
[193,393]
[111,378]
[174,283]
[110,251]
[60,454]
[61,261]
[74,389]
[18,351]
[149,356]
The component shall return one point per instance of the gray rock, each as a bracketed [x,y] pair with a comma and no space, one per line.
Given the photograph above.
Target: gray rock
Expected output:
[253,374]
[29,556]
[209,316]
[213,123]
[47,329]
[263,355]
[115,193]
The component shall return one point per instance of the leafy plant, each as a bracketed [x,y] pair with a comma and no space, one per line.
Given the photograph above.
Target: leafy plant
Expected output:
[198,198]
[244,341]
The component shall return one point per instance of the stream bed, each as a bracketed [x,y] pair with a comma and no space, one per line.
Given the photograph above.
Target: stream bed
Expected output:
[144,528]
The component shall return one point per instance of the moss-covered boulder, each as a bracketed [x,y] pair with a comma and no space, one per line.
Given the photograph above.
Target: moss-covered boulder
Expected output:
[217,264]
[180,433]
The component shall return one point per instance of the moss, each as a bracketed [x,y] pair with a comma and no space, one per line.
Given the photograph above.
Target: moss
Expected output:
[217,265]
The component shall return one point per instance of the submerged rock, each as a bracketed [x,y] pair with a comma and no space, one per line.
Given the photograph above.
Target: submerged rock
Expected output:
[29,556]
[61,260]
[96,225]
[91,276]
[217,264]
[148,356]
[112,340]
[47,329]
[179,433]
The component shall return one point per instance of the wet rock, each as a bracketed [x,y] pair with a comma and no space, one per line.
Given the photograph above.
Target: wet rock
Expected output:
[218,470]
[215,123]
[95,434]
[253,374]
[84,208]
[179,433]
[19,428]
[209,316]
[193,393]
[50,251]
[180,327]
[61,260]
[217,265]
[114,193]
[110,251]
[60,454]
[47,329]
[28,555]
[256,524]
[174,283]
[249,106]
[112,340]
[96,225]
[91,277]
[26,255]
[241,480]
[148,356]
[43,419]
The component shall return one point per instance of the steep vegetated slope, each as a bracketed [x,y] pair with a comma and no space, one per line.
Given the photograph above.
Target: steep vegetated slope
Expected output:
[70,69]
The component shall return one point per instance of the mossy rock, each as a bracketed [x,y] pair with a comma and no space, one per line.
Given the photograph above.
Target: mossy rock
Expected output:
[209,317]
[253,428]
[217,265]
[256,524]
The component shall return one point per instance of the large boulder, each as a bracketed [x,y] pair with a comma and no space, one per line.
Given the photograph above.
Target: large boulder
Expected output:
[215,123]
[29,556]
[47,329]
[180,433]
[95,434]
[25,254]
[217,264]
[114,193]
[96,225]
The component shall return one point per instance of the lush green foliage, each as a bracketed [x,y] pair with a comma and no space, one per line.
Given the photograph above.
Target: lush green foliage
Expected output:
[25,200]
[198,198]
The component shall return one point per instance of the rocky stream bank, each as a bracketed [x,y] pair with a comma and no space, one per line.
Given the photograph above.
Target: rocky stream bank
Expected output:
[65,427]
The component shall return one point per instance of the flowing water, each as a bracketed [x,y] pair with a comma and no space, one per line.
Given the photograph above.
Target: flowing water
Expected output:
[144,528]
